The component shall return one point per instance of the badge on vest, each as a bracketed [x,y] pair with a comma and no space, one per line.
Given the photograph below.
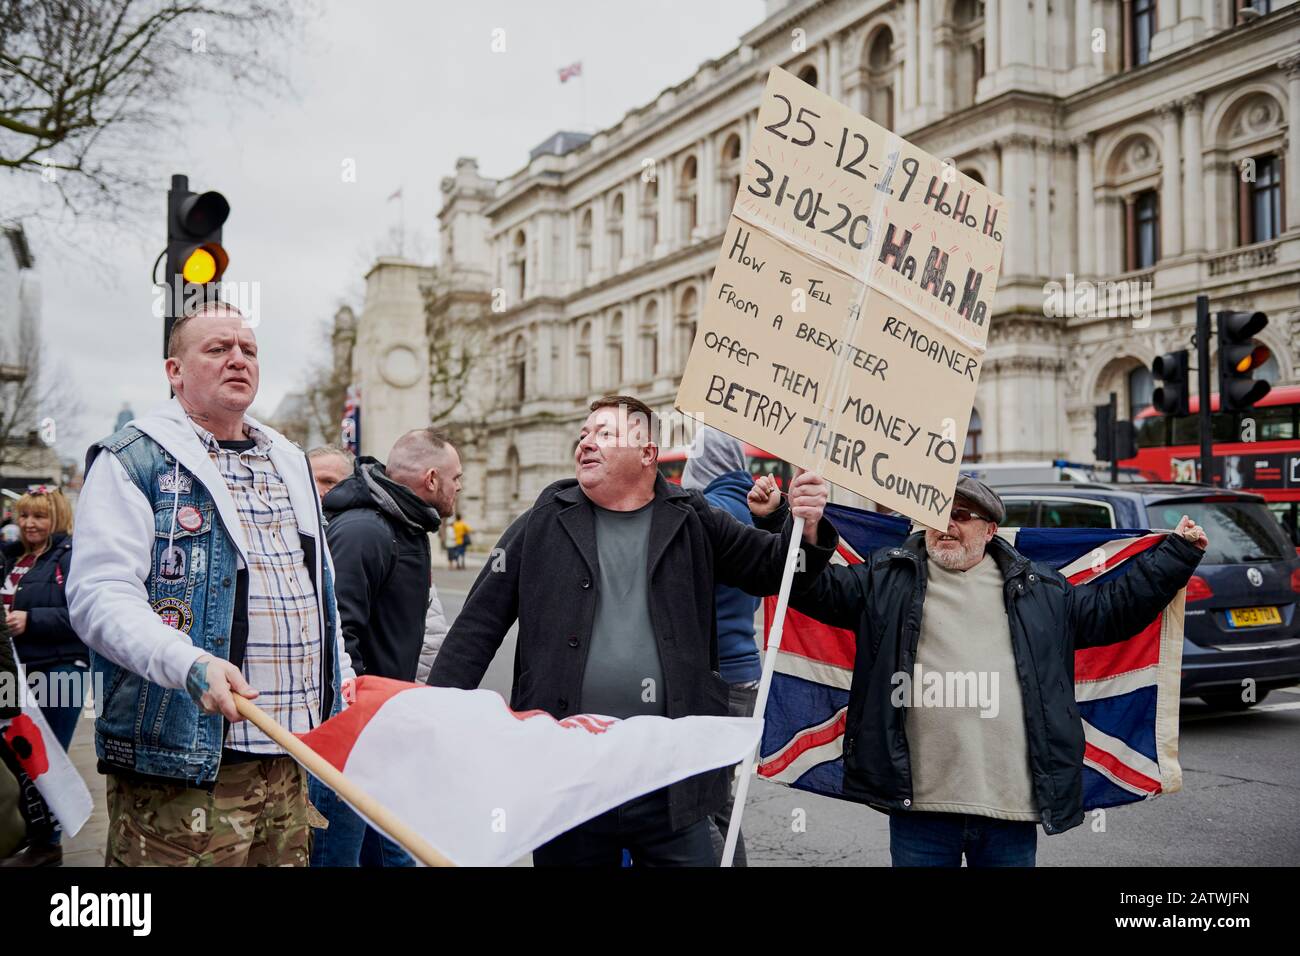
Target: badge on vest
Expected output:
[175,613]
[189,518]
[173,482]
[172,565]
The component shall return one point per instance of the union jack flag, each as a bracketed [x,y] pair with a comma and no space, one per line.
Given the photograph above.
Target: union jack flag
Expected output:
[568,72]
[1127,692]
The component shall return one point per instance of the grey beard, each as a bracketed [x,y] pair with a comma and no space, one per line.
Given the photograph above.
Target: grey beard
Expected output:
[954,560]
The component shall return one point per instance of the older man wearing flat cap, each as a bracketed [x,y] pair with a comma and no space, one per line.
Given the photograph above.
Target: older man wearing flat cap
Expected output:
[961,722]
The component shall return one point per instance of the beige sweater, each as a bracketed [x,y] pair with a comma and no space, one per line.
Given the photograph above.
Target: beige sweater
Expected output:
[963,762]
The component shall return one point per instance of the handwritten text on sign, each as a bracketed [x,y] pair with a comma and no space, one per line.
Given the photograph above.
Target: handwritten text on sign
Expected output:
[829,199]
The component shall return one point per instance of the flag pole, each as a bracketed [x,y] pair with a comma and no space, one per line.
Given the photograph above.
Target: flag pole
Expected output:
[328,774]
[760,704]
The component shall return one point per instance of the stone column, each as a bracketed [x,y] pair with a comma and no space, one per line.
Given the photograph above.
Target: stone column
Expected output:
[1194,223]
[910,56]
[942,52]
[834,81]
[667,180]
[632,219]
[541,284]
[599,238]
[707,189]
[1171,220]
[1043,150]
[992,49]
[1087,240]
[1016,175]
[925,44]
[1083,27]
[1041,56]
[1291,183]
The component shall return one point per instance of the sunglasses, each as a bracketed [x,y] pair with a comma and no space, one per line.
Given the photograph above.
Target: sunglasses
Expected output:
[962,515]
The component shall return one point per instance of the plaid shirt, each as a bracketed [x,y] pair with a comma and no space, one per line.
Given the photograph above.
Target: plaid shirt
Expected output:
[283,657]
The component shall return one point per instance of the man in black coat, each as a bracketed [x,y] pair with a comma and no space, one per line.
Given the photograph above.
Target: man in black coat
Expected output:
[380,519]
[962,723]
[611,578]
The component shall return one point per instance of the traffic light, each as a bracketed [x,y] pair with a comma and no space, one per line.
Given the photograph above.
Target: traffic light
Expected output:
[1171,395]
[196,259]
[1104,418]
[1240,356]
[1115,440]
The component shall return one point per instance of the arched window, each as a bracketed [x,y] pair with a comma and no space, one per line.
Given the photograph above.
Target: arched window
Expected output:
[881,70]
[1251,138]
[584,247]
[974,438]
[614,350]
[975,175]
[519,368]
[650,217]
[584,358]
[615,232]
[967,51]
[687,197]
[514,474]
[521,265]
[1144,230]
[1131,220]
[688,315]
[649,366]
[1140,387]
[809,75]
[729,171]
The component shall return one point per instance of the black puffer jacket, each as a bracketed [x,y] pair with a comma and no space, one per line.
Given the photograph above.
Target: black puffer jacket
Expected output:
[49,638]
[378,535]
[881,601]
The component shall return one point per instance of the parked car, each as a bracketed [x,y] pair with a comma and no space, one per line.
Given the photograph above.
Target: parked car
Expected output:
[1241,620]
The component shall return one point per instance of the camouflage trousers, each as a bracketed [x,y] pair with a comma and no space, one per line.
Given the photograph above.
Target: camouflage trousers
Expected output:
[256,815]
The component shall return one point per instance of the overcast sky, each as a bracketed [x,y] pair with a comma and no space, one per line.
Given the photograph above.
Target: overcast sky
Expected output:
[401,88]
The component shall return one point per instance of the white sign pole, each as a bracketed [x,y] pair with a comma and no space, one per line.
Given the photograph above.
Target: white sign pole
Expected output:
[760,705]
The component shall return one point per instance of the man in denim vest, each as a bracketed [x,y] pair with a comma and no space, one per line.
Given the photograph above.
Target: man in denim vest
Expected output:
[204,575]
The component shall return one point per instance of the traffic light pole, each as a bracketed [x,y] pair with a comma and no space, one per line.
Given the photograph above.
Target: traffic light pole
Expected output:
[1203,387]
[1114,437]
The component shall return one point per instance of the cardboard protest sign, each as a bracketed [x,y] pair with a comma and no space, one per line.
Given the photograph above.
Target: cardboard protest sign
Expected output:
[848,314]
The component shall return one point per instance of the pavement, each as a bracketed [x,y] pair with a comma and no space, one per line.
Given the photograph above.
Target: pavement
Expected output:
[1238,806]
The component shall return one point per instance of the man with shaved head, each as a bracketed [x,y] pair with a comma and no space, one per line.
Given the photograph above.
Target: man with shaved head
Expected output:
[200,574]
[380,519]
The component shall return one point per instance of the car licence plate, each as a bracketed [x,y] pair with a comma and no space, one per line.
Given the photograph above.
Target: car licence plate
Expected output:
[1254,616]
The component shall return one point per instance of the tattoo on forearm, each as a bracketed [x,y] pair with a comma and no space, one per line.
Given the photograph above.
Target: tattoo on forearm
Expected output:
[196,681]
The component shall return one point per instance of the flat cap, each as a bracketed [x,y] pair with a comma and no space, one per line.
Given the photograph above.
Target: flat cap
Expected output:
[984,499]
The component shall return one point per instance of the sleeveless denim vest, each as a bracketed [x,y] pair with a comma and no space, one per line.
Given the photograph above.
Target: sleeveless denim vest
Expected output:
[158,731]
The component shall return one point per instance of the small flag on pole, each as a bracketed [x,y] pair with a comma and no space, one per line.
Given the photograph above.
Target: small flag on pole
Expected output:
[395,195]
[568,72]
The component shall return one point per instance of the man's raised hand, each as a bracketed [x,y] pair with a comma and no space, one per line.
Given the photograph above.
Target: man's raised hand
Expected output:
[1192,533]
[764,497]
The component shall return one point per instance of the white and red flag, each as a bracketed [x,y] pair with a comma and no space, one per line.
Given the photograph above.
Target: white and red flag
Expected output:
[485,785]
[569,72]
[41,756]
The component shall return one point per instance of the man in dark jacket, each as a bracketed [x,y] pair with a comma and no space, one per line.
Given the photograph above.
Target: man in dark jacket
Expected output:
[962,772]
[716,468]
[380,520]
[611,578]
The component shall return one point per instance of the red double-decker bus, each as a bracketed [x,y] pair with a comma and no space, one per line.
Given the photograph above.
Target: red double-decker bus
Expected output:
[672,462]
[1256,450]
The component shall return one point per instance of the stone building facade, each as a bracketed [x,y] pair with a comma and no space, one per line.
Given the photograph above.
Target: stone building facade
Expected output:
[1151,148]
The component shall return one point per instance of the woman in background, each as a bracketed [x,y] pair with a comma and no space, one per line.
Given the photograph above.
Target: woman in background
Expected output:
[33,575]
